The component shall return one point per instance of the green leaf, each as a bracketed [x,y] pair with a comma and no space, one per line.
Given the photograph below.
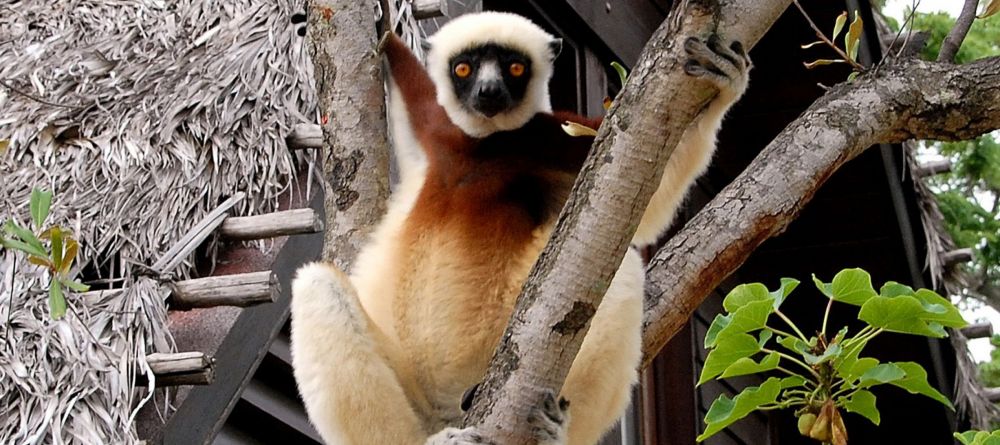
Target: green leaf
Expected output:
[832,351]
[72,248]
[718,324]
[916,382]
[839,25]
[903,314]
[792,381]
[57,302]
[76,286]
[881,374]
[786,288]
[40,203]
[622,72]
[24,247]
[852,286]
[745,293]
[749,318]
[727,352]
[939,309]
[863,402]
[893,289]
[26,236]
[724,411]
[794,344]
[746,366]
[852,76]
[56,236]
[978,438]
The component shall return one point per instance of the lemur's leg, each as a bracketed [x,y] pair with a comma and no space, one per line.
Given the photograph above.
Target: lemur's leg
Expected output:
[600,381]
[548,422]
[726,66]
[351,394]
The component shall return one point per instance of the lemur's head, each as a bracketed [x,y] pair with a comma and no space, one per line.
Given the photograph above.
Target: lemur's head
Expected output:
[492,70]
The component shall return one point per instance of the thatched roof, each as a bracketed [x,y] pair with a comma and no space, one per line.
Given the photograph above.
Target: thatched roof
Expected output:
[141,116]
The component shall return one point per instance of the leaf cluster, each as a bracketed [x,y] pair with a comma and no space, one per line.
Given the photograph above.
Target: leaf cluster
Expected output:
[821,375]
[978,438]
[852,42]
[53,248]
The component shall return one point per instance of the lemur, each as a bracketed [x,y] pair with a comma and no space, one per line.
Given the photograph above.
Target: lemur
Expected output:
[384,355]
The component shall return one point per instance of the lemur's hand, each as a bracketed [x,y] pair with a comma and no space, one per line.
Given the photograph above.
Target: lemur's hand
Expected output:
[726,66]
[299,23]
[548,424]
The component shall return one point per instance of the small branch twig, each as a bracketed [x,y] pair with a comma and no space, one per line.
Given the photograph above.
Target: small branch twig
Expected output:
[827,41]
[953,41]
[27,95]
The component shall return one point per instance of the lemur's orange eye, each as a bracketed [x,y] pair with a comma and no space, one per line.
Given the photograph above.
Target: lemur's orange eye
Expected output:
[463,70]
[516,69]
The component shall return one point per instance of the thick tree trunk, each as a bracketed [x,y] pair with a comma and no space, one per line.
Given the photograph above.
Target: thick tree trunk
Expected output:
[596,226]
[913,99]
[341,37]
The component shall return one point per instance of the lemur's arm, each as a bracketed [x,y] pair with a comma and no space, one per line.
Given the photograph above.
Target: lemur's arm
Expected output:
[727,68]
[428,120]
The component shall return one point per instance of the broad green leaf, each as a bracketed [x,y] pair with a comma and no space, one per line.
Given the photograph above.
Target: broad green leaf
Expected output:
[845,364]
[991,8]
[863,402]
[724,411]
[746,366]
[852,286]
[831,352]
[794,344]
[56,237]
[786,288]
[40,202]
[825,288]
[744,294]
[880,374]
[792,381]
[76,286]
[720,323]
[853,36]
[940,309]
[24,247]
[57,302]
[821,62]
[727,352]
[903,314]
[622,72]
[893,289]
[839,25]
[978,438]
[26,236]
[748,318]
[916,382]
[763,337]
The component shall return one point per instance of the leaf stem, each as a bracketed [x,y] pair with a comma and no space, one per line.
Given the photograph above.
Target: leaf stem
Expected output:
[794,360]
[780,332]
[788,321]
[826,316]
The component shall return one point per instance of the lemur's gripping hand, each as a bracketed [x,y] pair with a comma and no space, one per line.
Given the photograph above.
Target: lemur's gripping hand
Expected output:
[726,66]
[548,422]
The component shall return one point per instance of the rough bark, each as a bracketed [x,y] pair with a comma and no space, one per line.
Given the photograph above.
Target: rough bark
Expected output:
[595,227]
[910,100]
[341,37]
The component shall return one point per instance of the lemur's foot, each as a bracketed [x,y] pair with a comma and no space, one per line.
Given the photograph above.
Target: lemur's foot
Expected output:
[726,66]
[549,420]
[458,436]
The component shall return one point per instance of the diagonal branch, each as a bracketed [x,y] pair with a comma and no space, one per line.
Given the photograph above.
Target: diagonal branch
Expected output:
[911,99]
[596,226]
[953,41]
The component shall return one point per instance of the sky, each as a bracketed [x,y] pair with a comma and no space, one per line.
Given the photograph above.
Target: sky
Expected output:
[895,8]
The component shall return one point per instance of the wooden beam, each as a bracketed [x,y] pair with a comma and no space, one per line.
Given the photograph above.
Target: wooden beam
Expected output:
[933,168]
[181,368]
[956,256]
[241,290]
[270,225]
[978,330]
[428,9]
[305,136]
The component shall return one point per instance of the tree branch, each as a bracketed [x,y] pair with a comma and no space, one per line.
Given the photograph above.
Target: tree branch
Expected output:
[341,37]
[953,41]
[595,228]
[906,100]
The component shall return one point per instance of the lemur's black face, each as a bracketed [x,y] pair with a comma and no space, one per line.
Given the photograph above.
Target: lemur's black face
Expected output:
[490,79]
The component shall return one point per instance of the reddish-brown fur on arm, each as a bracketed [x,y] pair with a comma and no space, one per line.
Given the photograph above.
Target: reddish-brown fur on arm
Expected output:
[429,122]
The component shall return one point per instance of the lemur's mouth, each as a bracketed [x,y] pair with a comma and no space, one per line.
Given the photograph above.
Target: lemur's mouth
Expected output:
[490,108]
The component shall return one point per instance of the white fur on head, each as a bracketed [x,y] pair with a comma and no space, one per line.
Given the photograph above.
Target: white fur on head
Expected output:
[500,28]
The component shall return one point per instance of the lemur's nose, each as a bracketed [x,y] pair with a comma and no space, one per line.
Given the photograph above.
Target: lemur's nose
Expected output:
[490,90]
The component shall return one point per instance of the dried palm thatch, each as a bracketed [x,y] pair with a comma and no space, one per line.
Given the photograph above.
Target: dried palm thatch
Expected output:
[141,116]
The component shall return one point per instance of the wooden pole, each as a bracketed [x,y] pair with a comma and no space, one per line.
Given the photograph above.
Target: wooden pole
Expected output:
[270,225]
[241,290]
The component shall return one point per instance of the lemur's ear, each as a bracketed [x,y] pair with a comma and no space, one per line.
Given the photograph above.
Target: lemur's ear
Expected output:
[555,47]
